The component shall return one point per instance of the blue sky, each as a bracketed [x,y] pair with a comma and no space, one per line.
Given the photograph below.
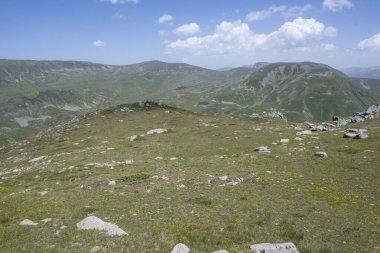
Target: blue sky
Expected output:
[212,34]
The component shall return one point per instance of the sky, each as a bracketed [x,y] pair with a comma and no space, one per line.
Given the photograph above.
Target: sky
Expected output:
[207,33]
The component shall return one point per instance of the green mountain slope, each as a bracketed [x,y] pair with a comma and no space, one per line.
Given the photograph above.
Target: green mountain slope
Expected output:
[301,91]
[199,183]
[44,93]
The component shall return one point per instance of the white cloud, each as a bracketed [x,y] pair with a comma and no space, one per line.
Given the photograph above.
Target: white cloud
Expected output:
[231,37]
[337,5]
[122,1]
[372,43]
[187,29]
[327,47]
[99,43]
[166,18]
[285,11]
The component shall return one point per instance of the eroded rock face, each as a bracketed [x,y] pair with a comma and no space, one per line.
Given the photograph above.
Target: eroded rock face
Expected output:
[287,247]
[95,223]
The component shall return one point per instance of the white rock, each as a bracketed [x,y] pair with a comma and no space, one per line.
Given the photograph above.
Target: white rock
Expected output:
[128,162]
[132,138]
[262,149]
[284,140]
[305,132]
[46,220]
[220,251]
[320,154]
[298,139]
[223,178]
[28,222]
[180,248]
[37,159]
[287,247]
[158,158]
[95,223]
[111,182]
[157,131]
[43,193]
[173,158]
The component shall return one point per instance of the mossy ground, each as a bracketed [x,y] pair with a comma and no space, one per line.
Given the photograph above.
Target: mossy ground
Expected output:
[322,205]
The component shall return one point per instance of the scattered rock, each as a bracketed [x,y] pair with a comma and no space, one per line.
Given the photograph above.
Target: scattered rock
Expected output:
[111,182]
[43,193]
[361,136]
[287,247]
[158,158]
[223,178]
[320,154]
[173,158]
[284,140]
[132,138]
[46,220]
[262,149]
[298,139]
[95,223]
[220,251]
[157,131]
[180,248]
[318,128]
[128,162]
[349,135]
[305,132]
[37,159]
[28,222]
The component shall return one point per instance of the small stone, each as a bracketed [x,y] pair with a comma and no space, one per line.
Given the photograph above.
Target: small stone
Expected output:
[305,132]
[43,193]
[128,162]
[46,220]
[180,248]
[157,131]
[132,138]
[262,149]
[158,158]
[349,135]
[284,140]
[28,222]
[220,251]
[320,154]
[223,178]
[298,139]
[287,247]
[111,182]
[361,136]
[173,158]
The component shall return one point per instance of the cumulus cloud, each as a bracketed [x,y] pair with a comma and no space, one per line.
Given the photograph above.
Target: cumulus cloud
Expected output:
[122,1]
[285,11]
[187,29]
[372,43]
[238,37]
[166,18]
[337,5]
[99,43]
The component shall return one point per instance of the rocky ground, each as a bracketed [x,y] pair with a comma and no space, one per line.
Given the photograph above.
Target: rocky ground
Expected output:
[134,179]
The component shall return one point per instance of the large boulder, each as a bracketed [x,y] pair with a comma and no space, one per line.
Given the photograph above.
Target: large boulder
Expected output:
[95,223]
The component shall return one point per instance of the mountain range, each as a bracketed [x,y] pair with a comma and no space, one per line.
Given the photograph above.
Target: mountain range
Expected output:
[39,94]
